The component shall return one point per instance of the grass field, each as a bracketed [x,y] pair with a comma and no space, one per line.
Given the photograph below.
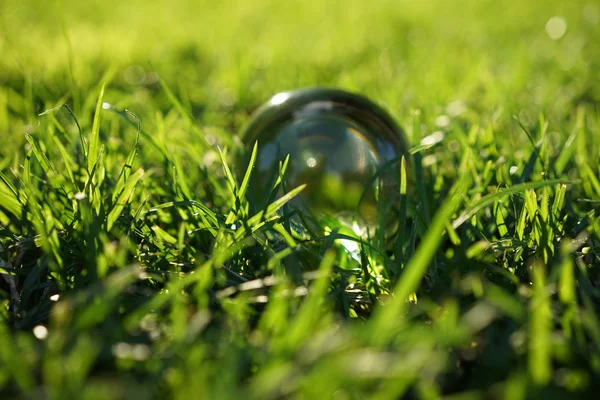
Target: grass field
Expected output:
[131,267]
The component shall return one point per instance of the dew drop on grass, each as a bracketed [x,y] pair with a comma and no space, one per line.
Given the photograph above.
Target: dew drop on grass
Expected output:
[336,141]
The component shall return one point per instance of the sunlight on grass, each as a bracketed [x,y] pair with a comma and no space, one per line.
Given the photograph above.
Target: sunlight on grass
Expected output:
[134,262]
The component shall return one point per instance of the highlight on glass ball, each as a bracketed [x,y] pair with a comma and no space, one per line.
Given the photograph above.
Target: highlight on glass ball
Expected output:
[338,144]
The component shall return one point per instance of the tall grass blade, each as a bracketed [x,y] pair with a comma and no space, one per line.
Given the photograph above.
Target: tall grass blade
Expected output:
[94,146]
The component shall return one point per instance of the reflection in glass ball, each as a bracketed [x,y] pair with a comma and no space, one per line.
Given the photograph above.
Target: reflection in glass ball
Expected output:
[337,142]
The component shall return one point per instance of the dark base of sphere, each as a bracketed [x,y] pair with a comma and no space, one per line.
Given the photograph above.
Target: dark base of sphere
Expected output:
[337,143]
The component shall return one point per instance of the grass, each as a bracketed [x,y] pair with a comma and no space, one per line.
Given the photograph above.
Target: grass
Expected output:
[133,266]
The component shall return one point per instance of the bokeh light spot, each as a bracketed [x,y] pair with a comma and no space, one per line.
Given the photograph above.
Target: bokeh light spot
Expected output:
[40,332]
[556,27]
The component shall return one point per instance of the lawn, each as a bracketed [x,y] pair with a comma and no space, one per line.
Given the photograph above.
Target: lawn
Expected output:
[133,265]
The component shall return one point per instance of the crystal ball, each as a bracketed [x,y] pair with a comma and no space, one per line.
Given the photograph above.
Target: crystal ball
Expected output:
[337,143]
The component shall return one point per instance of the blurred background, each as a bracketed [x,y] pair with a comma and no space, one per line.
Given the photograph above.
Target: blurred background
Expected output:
[223,58]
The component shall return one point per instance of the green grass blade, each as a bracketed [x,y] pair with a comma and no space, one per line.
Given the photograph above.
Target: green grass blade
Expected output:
[246,179]
[540,346]
[123,198]
[567,288]
[68,163]
[9,201]
[402,211]
[490,198]
[40,155]
[94,146]
[417,266]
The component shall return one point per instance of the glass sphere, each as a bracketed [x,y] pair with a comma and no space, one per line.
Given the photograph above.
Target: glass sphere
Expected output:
[337,143]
